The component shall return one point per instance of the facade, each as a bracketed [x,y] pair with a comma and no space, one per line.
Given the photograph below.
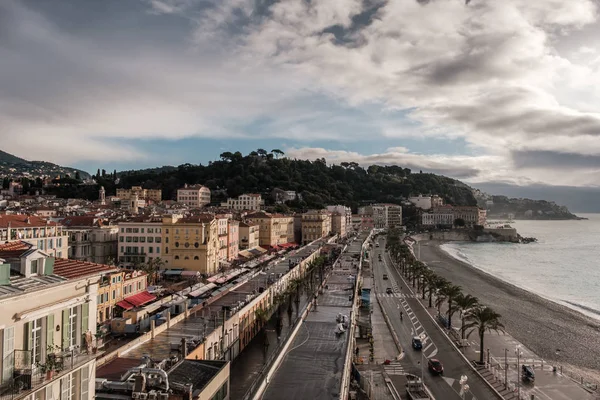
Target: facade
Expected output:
[53,308]
[315,225]
[154,195]
[447,215]
[115,287]
[338,224]
[281,196]
[438,216]
[250,201]
[381,216]
[47,236]
[233,239]
[140,240]
[249,235]
[426,202]
[191,243]
[195,196]
[472,215]
[274,229]
[345,211]
[222,225]
[92,239]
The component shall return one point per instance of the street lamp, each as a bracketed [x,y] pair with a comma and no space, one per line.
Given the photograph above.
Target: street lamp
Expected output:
[519,353]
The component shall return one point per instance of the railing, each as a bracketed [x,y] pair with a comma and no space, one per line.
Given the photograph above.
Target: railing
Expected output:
[28,376]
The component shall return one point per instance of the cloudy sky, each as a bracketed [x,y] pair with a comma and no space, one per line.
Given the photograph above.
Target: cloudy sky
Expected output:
[488,91]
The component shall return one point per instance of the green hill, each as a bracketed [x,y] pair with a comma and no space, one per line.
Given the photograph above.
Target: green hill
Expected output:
[15,167]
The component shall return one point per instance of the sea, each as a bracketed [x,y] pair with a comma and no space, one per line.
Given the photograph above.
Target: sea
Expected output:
[562,266]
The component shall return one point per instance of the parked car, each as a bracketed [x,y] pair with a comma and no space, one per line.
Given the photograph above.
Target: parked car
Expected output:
[417,344]
[435,366]
[389,290]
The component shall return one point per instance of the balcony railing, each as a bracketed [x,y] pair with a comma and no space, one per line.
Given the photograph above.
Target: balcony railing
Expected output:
[28,376]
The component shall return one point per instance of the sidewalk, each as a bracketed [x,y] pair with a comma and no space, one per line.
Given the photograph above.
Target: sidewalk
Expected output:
[502,349]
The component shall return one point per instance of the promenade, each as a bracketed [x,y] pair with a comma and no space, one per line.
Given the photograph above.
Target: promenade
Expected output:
[313,365]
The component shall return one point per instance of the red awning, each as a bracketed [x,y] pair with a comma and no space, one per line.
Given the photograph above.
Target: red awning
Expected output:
[136,300]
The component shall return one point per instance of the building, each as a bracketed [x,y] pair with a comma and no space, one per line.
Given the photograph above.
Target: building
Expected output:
[338,224]
[233,239]
[102,196]
[381,216]
[47,236]
[442,216]
[140,240]
[249,235]
[222,225]
[472,215]
[426,202]
[345,211]
[251,201]
[315,225]
[445,216]
[92,239]
[274,229]
[195,196]
[51,324]
[281,196]
[154,195]
[116,287]
[191,243]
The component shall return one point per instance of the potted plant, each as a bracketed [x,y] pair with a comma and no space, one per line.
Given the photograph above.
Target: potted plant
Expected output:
[53,362]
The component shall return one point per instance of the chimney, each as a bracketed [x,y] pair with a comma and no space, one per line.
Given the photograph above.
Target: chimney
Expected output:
[184,348]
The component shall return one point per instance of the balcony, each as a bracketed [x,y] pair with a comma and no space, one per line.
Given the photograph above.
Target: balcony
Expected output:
[27,377]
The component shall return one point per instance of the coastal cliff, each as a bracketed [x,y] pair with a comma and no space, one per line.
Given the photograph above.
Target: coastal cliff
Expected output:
[503,207]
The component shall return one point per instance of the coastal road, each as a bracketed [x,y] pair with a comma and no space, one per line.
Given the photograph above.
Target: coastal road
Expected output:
[416,322]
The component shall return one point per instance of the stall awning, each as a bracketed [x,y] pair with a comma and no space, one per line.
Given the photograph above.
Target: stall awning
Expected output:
[288,245]
[255,252]
[202,290]
[136,300]
[260,249]
[246,254]
[190,273]
[173,272]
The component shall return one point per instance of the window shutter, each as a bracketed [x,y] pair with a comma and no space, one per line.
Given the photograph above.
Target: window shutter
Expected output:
[85,311]
[50,330]
[65,328]
[27,338]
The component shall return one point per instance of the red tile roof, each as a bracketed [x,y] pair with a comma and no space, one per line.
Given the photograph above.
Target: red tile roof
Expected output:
[82,221]
[14,249]
[23,221]
[72,269]
[136,300]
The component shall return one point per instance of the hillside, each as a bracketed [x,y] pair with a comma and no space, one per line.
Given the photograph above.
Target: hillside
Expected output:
[15,167]
[503,207]
[316,182]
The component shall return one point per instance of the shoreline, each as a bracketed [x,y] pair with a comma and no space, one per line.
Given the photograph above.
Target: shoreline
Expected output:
[541,324]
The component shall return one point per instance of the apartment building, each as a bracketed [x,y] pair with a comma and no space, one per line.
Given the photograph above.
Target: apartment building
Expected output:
[154,195]
[233,239]
[315,225]
[46,235]
[92,239]
[48,335]
[249,235]
[472,215]
[191,243]
[338,224]
[342,210]
[140,240]
[251,201]
[447,215]
[114,288]
[222,225]
[195,196]
[442,216]
[383,216]
[426,202]
[273,229]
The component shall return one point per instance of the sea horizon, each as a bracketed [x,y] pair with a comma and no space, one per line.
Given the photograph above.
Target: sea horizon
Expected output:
[559,267]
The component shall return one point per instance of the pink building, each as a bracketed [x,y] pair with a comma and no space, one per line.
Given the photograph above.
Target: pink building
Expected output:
[233,239]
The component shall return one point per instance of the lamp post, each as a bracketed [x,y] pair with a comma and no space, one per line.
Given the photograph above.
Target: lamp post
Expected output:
[519,353]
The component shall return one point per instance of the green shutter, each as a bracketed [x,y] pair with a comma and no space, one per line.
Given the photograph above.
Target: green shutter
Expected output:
[4,274]
[49,266]
[50,330]
[85,311]
[27,333]
[65,330]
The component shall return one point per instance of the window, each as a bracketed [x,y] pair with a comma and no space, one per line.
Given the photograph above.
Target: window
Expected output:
[166,250]
[35,340]
[71,334]
[121,239]
[114,294]
[177,257]
[8,353]
[149,249]
[122,230]
[67,387]
[128,230]
[142,230]
[150,239]
[158,249]
[196,245]
[196,258]
[99,299]
[85,383]
[158,240]
[176,244]
[34,267]
[129,239]
[143,239]
[186,258]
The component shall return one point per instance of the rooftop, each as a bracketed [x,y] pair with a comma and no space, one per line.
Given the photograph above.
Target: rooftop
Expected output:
[73,269]
[14,249]
[23,221]
[21,285]
[198,373]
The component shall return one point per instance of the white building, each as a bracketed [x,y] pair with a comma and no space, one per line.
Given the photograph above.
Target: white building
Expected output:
[426,202]
[194,196]
[140,240]
[48,336]
[345,211]
[250,201]
[91,239]
[47,236]
[384,216]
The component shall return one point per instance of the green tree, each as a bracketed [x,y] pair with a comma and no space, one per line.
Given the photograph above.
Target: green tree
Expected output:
[465,303]
[459,222]
[77,176]
[451,292]
[483,319]
[277,153]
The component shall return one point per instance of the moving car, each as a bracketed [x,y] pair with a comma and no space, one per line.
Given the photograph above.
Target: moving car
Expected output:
[527,373]
[435,366]
[417,344]
[380,257]
[385,277]
[389,290]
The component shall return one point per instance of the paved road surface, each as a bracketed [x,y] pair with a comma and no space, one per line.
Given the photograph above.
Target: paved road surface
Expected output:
[416,322]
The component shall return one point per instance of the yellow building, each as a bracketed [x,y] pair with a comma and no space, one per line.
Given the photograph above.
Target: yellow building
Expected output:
[118,286]
[191,243]
[146,194]
[315,225]
[274,229]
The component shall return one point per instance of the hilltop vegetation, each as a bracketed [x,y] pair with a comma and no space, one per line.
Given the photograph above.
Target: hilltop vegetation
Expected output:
[14,167]
[318,184]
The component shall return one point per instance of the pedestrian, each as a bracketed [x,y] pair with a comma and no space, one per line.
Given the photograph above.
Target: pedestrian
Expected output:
[356,351]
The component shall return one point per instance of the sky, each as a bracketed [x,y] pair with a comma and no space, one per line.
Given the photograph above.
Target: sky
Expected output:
[489,92]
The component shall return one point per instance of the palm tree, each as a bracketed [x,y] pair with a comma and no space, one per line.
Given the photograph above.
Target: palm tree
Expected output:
[482,319]
[429,278]
[451,292]
[262,317]
[465,303]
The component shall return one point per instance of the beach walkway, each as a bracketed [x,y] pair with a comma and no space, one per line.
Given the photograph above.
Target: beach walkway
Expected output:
[502,349]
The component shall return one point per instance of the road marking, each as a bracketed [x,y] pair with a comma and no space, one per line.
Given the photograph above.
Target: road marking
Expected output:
[428,346]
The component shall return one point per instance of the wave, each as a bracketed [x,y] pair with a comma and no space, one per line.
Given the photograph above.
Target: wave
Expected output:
[586,308]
